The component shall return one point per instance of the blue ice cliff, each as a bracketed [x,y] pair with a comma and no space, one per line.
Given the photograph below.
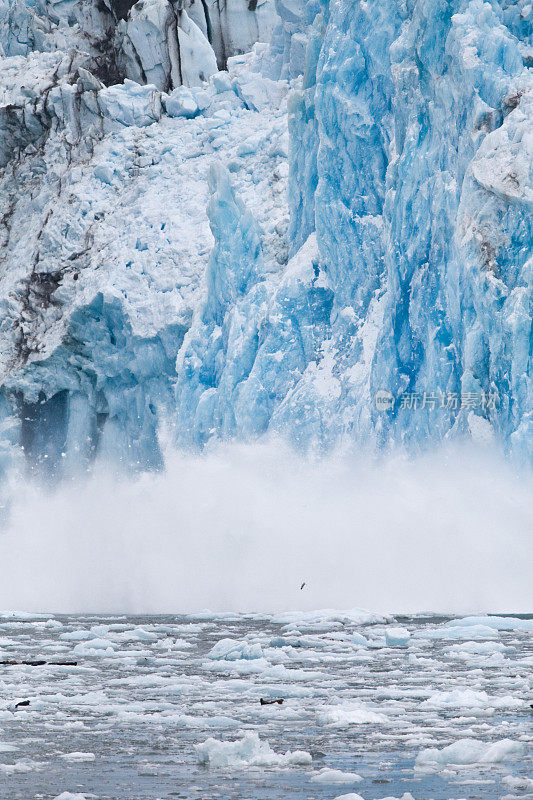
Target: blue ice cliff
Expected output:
[306,218]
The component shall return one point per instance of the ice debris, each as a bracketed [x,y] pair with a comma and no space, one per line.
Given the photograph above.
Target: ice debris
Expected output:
[249,751]
[469,751]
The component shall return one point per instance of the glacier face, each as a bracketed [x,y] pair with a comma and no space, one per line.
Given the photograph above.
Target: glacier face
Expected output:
[411,164]
[343,213]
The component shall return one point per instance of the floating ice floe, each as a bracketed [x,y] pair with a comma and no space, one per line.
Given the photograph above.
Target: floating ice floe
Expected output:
[456,631]
[468,751]
[70,796]
[521,783]
[472,700]
[20,767]
[496,623]
[353,796]
[76,636]
[136,634]
[78,758]
[350,796]
[95,647]
[397,637]
[350,713]
[234,650]
[312,619]
[477,648]
[249,751]
[327,775]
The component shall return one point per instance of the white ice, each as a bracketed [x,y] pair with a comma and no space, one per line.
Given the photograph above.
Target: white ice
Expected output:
[250,751]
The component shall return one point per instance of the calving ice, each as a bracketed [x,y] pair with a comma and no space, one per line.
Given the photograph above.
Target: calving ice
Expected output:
[266,341]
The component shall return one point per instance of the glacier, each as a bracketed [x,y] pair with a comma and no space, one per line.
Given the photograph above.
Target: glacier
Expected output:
[226,221]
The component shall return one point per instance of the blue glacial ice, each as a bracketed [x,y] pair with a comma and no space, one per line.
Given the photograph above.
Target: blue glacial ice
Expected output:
[410,162]
[343,212]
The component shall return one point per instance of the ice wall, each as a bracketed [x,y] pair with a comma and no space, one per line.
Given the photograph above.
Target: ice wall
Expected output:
[103,233]
[423,214]
[410,158]
[156,278]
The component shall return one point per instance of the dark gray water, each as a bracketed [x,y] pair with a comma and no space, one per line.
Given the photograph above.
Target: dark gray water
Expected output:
[146,691]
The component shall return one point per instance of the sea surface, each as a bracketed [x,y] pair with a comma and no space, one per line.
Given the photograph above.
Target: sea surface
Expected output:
[123,722]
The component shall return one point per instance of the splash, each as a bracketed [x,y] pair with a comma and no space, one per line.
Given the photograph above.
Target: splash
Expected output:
[244,526]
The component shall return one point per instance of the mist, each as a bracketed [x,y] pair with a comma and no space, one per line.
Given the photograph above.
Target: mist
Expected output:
[242,527]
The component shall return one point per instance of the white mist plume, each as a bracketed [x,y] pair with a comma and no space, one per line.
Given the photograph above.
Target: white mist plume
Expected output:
[241,528]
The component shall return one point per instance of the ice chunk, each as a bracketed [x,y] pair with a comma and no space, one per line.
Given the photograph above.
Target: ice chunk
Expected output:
[78,757]
[19,767]
[397,637]
[222,82]
[350,713]
[249,751]
[350,796]
[131,104]
[308,619]
[70,796]
[233,650]
[327,775]
[181,103]
[472,700]
[494,622]
[95,647]
[76,636]
[518,784]
[105,173]
[477,648]
[469,751]
[456,631]
[259,93]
